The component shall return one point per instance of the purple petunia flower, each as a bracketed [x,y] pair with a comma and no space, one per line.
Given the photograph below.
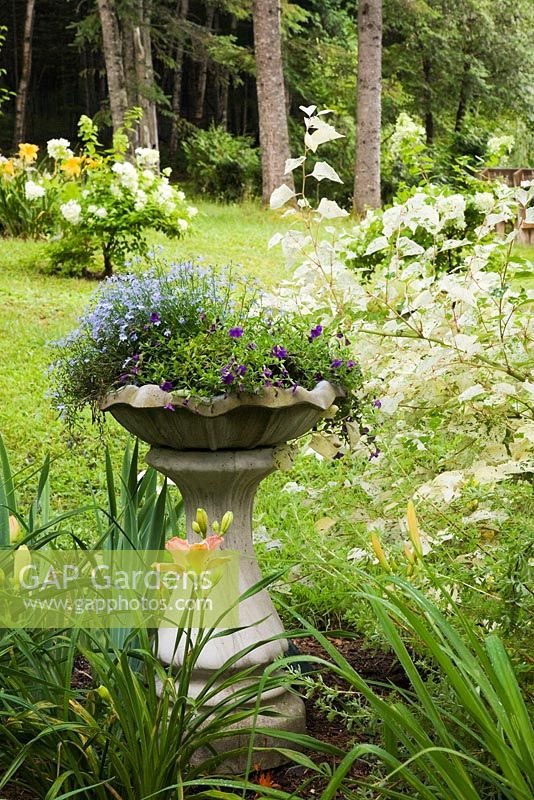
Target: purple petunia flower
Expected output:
[350,364]
[155,318]
[267,373]
[377,404]
[279,352]
[235,333]
[336,363]
[374,454]
[166,386]
[136,357]
[252,346]
[169,407]
[315,332]
[135,370]
[227,376]
[241,369]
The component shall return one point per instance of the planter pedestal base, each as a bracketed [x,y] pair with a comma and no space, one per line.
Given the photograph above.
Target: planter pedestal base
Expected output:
[223,481]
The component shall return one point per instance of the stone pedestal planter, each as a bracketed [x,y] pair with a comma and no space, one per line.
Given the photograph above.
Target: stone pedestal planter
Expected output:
[217,453]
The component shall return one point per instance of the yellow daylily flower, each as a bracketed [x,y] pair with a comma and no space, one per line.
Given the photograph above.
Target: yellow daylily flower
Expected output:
[28,152]
[7,168]
[72,166]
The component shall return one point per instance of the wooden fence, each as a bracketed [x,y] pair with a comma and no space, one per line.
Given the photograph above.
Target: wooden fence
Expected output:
[512,176]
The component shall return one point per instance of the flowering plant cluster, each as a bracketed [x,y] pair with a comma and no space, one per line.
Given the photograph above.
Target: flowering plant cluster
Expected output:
[445,344]
[28,195]
[194,333]
[94,201]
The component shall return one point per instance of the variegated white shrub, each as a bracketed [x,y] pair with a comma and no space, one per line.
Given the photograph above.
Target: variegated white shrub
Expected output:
[442,317]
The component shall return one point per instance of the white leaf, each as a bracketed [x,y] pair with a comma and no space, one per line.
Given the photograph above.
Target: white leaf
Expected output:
[467,344]
[329,209]
[324,133]
[380,243]
[323,170]
[280,196]
[358,554]
[275,239]
[325,111]
[529,216]
[293,163]
[472,391]
[324,445]
[308,110]
[451,244]
[408,247]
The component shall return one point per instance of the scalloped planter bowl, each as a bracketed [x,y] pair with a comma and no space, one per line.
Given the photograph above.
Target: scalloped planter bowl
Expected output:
[241,422]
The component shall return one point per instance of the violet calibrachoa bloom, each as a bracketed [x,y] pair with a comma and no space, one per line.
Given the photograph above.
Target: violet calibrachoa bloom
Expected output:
[279,352]
[194,332]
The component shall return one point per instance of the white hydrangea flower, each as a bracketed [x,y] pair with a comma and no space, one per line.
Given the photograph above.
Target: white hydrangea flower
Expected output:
[183,224]
[72,212]
[163,193]
[101,212]
[192,211]
[483,201]
[148,176]
[59,149]
[33,190]
[147,158]
[127,174]
[140,200]
[180,195]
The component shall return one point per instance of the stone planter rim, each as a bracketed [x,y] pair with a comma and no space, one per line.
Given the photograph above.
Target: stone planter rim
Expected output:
[152,396]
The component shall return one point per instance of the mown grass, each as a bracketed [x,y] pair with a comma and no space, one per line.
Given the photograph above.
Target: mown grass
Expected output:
[38,308]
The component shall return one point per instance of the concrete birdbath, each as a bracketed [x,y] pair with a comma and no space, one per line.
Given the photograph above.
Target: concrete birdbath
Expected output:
[217,452]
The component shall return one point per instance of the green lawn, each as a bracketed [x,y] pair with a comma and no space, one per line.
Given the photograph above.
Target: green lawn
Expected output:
[37,308]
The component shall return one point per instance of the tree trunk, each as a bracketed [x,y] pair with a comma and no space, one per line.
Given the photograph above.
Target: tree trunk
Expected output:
[198,111]
[274,137]
[176,100]
[118,99]
[369,90]
[427,97]
[142,41]
[24,83]
[463,98]
[223,87]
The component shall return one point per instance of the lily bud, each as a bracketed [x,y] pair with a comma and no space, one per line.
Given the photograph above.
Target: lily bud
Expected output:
[215,527]
[202,521]
[103,693]
[413,529]
[14,529]
[226,521]
[196,527]
[379,553]
[21,560]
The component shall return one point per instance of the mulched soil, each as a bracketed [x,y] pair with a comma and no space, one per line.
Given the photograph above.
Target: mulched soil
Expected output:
[370,664]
